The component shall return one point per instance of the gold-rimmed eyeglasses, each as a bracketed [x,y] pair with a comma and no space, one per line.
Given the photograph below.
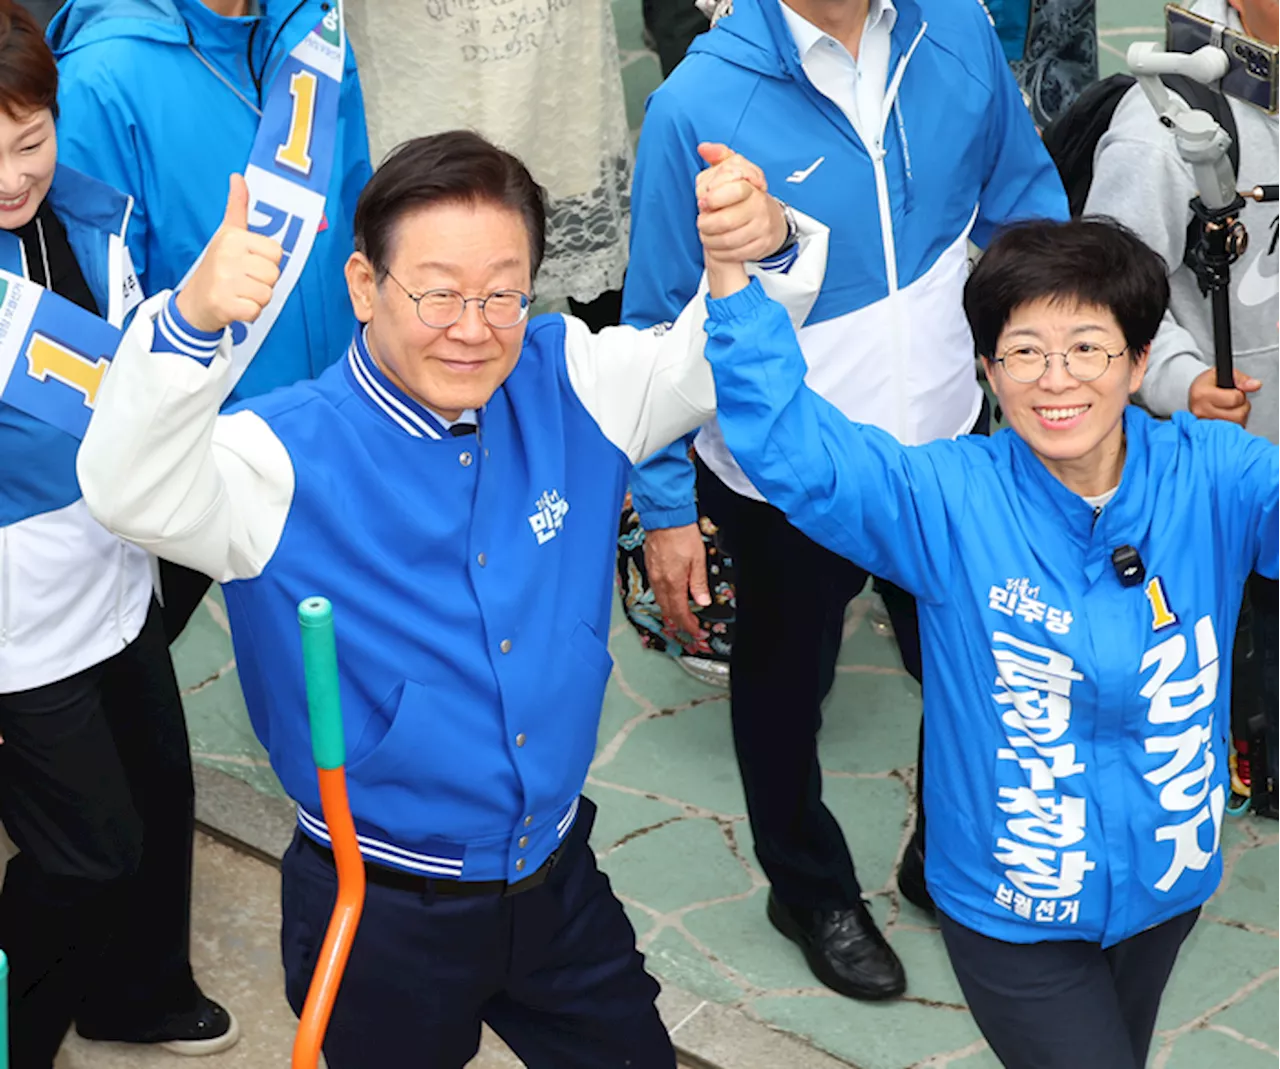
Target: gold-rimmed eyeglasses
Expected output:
[1084,361]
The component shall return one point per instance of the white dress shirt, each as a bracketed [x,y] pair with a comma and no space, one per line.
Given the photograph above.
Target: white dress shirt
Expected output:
[856,87]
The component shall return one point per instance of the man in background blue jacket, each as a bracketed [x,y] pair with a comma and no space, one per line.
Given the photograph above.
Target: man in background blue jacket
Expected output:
[899,126]
[162,99]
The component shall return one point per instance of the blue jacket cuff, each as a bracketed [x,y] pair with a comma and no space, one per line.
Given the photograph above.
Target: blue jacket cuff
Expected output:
[175,335]
[660,519]
[738,305]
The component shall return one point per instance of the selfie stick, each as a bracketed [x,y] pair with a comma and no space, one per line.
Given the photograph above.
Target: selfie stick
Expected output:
[320,663]
[1220,236]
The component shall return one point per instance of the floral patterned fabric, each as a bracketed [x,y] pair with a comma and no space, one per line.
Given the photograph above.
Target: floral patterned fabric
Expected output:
[1061,56]
[642,608]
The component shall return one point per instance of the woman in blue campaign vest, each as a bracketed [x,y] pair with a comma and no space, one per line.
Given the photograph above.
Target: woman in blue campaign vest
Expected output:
[1079,576]
[164,99]
[95,774]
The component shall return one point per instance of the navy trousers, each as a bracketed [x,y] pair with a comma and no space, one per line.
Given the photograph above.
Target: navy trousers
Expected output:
[554,971]
[1066,1005]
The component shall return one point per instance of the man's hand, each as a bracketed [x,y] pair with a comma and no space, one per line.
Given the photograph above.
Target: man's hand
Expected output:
[676,561]
[738,221]
[234,280]
[1208,401]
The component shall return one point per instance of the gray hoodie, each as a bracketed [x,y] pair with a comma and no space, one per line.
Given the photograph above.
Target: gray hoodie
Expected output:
[1140,180]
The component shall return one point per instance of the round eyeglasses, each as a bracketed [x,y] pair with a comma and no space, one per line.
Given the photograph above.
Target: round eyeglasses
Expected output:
[1084,362]
[439,309]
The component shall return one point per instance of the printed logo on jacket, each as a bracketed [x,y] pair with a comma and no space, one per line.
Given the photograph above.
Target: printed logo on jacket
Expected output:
[1042,842]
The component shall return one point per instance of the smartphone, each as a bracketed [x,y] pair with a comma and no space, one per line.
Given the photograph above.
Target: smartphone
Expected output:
[1251,64]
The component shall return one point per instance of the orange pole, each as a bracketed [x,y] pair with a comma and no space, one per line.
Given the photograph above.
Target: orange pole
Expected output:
[342,925]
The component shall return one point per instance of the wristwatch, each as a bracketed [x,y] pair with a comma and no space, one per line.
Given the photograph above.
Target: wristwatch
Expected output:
[793,231]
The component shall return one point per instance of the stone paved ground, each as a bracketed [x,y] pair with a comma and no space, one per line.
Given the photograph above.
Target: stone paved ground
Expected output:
[673,837]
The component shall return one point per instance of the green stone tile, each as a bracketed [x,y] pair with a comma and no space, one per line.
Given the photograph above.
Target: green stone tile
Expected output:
[629,22]
[929,974]
[686,756]
[617,709]
[676,866]
[984,1059]
[1249,895]
[1206,1049]
[621,814]
[881,1035]
[672,957]
[870,723]
[1113,47]
[640,920]
[866,647]
[639,79]
[740,935]
[221,737]
[873,814]
[1257,1017]
[655,675]
[1216,961]
[202,650]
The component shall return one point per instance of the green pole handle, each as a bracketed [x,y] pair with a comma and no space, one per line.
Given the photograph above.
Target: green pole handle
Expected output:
[4,1011]
[320,662]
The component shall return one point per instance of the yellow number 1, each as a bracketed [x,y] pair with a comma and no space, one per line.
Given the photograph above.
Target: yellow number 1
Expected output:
[1161,615]
[295,153]
[48,359]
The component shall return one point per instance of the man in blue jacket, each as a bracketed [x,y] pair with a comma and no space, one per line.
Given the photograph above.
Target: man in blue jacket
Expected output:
[900,127]
[163,99]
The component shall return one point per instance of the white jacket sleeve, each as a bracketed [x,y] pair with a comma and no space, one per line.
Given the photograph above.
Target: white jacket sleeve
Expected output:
[160,468]
[646,388]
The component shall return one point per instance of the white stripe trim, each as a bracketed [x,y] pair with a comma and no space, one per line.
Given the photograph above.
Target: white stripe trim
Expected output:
[566,822]
[169,331]
[359,372]
[370,383]
[182,334]
[376,848]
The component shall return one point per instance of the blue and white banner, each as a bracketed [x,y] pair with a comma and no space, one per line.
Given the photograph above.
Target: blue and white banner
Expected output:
[53,354]
[289,168]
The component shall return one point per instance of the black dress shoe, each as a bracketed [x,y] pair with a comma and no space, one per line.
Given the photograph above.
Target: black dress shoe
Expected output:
[207,1029]
[911,883]
[844,948]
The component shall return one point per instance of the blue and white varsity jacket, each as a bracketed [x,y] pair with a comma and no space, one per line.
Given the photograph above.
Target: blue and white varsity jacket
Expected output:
[1076,729]
[887,341]
[470,576]
[158,99]
[71,593]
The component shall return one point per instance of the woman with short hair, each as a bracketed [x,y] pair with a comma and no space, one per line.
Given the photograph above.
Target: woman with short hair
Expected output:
[1079,575]
[95,771]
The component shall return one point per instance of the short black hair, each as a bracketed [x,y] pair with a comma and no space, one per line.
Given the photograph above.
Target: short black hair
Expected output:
[458,166]
[1095,261]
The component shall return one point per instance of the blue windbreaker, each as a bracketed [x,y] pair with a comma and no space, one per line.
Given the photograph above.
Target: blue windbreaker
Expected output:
[140,111]
[1076,728]
[887,341]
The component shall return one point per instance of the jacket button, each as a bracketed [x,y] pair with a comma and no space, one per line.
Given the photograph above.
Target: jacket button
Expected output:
[520,865]
[528,820]
[464,459]
[522,842]
[520,739]
[505,645]
[480,559]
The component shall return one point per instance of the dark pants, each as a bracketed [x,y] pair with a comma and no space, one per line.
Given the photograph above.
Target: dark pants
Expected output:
[1066,1005]
[183,589]
[1254,700]
[554,970]
[791,599]
[96,792]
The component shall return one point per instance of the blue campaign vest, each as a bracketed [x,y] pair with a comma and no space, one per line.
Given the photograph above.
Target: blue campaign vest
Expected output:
[40,469]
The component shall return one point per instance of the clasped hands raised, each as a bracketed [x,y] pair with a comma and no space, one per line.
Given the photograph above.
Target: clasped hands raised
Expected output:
[738,222]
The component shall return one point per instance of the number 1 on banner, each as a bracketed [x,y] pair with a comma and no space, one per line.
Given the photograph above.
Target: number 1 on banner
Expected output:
[295,153]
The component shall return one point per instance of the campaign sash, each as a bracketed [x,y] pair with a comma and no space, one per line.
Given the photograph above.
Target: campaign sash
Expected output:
[53,354]
[289,168]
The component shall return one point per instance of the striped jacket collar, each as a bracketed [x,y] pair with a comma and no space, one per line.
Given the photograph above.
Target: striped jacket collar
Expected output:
[410,415]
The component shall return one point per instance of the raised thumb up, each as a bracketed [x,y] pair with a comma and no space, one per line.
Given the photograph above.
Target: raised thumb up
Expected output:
[237,270]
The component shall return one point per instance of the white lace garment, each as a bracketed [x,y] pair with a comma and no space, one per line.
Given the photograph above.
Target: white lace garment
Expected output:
[539,78]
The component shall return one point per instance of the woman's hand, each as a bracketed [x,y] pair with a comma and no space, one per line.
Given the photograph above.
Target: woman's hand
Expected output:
[235,278]
[738,221]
